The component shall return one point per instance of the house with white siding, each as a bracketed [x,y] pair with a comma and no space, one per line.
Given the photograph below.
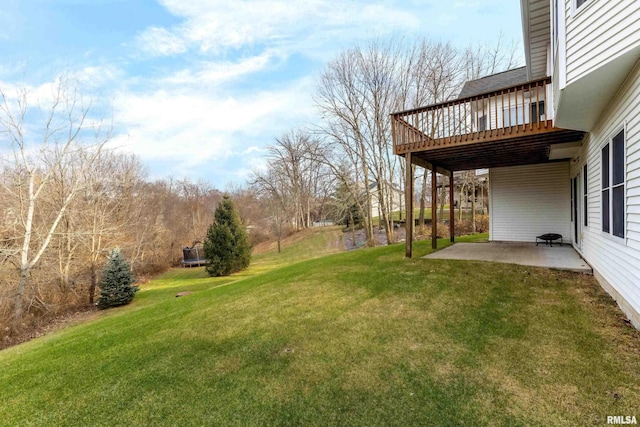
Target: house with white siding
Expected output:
[394,198]
[560,136]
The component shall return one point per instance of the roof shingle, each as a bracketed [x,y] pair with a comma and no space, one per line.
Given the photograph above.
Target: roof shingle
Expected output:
[493,82]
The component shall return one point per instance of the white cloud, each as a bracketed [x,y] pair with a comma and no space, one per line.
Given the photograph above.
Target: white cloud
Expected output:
[212,27]
[160,42]
[215,73]
[254,149]
[91,78]
[190,129]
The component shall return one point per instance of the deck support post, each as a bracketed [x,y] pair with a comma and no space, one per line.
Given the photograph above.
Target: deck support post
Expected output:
[434,209]
[452,222]
[408,188]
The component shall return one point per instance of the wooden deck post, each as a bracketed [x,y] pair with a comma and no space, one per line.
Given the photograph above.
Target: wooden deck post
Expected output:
[434,209]
[452,222]
[408,188]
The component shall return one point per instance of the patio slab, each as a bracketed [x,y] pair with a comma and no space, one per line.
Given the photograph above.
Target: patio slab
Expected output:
[558,257]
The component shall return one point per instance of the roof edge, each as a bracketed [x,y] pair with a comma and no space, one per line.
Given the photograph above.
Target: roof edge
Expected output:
[466,92]
[524,9]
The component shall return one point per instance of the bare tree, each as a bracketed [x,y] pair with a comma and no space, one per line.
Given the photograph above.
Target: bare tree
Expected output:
[295,180]
[482,60]
[341,106]
[292,159]
[355,94]
[433,73]
[61,148]
[273,188]
[102,208]
[359,89]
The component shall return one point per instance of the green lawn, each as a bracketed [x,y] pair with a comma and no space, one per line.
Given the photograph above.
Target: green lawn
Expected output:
[365,337]
[308,244]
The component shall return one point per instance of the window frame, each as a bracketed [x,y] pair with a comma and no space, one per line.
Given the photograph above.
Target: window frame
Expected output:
[610,213]
[576,9]
[516,115]
[585,196]
[482,123]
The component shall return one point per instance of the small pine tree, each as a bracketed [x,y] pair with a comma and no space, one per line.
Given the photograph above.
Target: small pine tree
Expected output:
[226,247]
[116,285]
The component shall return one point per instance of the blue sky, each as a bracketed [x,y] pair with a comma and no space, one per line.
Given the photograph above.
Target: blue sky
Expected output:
[199,88]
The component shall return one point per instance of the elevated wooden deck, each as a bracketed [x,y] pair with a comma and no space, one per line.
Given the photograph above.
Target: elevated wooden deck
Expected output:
[505,127]
[499,128]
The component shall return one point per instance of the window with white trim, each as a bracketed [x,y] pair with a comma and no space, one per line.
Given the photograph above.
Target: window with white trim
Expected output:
[482,123]
[580,3]
[613,180]
[515,116]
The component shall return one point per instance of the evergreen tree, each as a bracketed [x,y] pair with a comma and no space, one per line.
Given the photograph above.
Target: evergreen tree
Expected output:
[116,285]
[226,246]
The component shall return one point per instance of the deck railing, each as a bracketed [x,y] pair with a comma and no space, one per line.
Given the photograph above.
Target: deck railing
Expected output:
[511,111]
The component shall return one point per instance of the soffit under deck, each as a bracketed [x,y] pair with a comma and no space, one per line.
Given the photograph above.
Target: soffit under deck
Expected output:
[523,150]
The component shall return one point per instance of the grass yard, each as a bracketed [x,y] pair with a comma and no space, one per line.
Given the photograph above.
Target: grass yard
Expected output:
[358,338]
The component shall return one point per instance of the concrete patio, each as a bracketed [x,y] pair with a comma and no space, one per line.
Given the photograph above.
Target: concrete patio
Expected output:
[559,257]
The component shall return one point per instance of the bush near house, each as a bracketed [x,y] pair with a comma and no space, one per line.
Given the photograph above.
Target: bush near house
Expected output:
[116,286]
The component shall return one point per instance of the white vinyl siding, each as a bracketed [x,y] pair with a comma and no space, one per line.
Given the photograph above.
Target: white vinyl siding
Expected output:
[616,260]
[598,32]
[527,201]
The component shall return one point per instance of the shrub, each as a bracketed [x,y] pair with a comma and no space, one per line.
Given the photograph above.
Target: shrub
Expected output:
[116,285]
[226,246]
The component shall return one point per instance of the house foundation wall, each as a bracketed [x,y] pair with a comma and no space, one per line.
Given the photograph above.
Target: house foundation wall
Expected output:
[627,308]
